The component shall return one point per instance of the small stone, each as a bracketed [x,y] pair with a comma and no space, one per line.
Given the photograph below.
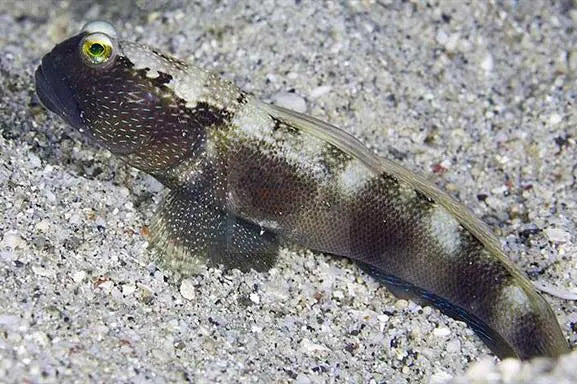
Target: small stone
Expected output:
[320,91]
[572,60]
[494,203]
[573,14]
[555,119]
[128,289]
[440,377]
[441,332]
[308,347]
[499,190]
[290,100]
[383,318]
[481,370]
[34,161]
[9,321]
[106,286]
[442,37]
[41,271]
[40,338]
[557,235]
[454,346]
[338,294]
[79,276]
[487,63]
[303,379]
[402,304]
[75,219]
[12,239]
[452,42]
[43,226]
[255,298]
[187,289]
[509,369]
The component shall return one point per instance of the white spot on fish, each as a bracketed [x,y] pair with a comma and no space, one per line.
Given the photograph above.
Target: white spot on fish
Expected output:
[445,229]
[187,87]
[516,299]
[303,151]
[354,176]
[268,224]
[254,122]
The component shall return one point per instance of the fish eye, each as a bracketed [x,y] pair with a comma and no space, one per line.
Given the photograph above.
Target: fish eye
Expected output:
[97,49]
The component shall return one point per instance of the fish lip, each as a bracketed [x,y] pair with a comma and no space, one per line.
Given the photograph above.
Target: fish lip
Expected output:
[55,94]
[45,93]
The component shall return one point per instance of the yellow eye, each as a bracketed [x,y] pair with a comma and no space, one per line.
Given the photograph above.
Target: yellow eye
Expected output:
[97,49]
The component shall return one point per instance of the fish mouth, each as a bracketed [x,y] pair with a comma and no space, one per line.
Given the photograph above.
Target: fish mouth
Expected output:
[45,94]
[55,94]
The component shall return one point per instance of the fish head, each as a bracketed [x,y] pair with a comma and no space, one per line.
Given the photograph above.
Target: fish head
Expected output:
[118,93]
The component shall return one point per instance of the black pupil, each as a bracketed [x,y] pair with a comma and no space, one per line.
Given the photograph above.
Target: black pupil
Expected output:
[96,49]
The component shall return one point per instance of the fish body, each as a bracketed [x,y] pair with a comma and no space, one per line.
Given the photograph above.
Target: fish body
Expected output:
[243,174]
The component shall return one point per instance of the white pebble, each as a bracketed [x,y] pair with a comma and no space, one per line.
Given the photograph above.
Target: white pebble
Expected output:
[509,369]
[480,370]
[152,184]
[442,37]
[128,289]
[383,318]
[555,119]
[255,298]
[12,240]
[402,304]
[34,161]
[106,286]
[494,203]
[44,272]
[440,377]
[9,321]
[50,196]
[79,276]
[338,294]
[43,226]
[487,63]
[75,219]
[454,346]
[303,379]
[499,190]
[441,332]
[309,347]
[187,289]
[452,42]
[320,91]
[290,100]
[557,235]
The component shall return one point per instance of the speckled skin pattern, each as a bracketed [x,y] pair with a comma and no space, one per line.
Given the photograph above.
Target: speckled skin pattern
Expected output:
[243,174]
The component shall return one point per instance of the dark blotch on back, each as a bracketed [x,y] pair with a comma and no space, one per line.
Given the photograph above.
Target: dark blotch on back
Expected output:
[176,62]
[241,99]
[162,79]
[281,125]
[208,115]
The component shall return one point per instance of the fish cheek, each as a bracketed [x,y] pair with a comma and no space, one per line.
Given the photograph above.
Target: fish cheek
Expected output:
[120,110]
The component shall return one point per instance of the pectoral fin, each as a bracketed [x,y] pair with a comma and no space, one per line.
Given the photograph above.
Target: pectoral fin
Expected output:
[190,231]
